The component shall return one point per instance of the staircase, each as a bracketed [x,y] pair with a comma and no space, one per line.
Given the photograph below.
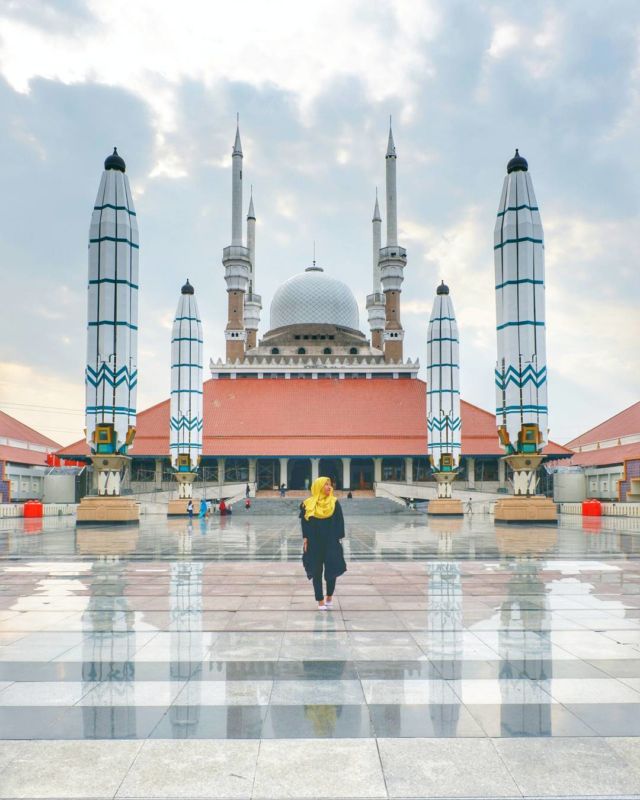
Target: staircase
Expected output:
[289,506]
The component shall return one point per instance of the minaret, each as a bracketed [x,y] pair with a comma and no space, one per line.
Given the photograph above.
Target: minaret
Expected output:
[237,266]
[111,376]
[444,427]
[521,370]
[393,260]
[185,420]
[252,301]
[375,301]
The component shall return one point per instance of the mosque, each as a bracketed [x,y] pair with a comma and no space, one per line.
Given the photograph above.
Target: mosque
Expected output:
[315,362]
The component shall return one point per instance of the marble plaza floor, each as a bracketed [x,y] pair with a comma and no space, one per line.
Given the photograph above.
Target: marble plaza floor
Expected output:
[460,659]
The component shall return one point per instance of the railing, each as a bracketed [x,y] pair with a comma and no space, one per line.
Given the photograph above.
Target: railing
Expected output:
[8,510]
[608,509]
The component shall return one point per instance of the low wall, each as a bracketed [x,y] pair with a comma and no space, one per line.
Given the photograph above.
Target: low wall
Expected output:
[48,509]
[608,509]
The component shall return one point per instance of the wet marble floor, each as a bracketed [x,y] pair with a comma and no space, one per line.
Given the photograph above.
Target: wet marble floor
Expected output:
[460,659]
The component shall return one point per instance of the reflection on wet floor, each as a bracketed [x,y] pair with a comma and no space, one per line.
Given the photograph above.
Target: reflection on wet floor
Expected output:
[445,628]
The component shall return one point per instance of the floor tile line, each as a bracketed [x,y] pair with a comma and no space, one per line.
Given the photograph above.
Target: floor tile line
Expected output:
[129,768]
[506,766]
[384,777]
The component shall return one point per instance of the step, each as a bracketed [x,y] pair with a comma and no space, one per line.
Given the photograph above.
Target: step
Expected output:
[264,506]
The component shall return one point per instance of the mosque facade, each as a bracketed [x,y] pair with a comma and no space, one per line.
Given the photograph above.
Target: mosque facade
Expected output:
[314,361]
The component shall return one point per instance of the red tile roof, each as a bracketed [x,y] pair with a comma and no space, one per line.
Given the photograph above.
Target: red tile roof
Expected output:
[19,434]
[279,417]
[604,456]
[625,423]
[14,429]
[21,455]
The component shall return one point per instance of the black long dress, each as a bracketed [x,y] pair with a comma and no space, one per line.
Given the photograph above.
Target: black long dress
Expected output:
[325,546]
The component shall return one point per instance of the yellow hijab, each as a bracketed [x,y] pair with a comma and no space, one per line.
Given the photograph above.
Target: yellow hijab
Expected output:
[319,505]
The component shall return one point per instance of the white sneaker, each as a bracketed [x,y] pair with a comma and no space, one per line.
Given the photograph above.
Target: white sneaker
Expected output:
[328,603]
[322,608]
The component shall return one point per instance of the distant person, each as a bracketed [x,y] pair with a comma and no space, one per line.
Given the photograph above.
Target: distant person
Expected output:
[247,491]
[349,495]
[469,507]
[203,509]
[214,505]
[247,504]
[229,509]
[223,508]
[283,490]
[306,484]
[190,509]
[322,531]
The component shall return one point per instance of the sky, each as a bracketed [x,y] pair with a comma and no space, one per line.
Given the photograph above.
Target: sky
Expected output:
[466,82]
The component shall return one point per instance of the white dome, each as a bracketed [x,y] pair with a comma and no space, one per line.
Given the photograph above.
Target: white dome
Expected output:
[314,297]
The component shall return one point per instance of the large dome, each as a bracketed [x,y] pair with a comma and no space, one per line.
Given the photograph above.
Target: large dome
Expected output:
[314,297]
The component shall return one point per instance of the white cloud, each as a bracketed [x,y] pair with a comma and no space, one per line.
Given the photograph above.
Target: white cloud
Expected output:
[149,49]
[47,402]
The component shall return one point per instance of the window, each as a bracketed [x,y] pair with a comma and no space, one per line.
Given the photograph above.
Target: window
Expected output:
[353,351]
[143,470]
[327,351]
[301,351]
[275,351]
[236,470]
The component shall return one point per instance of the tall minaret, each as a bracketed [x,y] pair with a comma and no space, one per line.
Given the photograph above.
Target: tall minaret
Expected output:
[444,425]
[111,376]
[375,301]
[237,266]
[186,421]
[252,301]
[393,260]
[521,371]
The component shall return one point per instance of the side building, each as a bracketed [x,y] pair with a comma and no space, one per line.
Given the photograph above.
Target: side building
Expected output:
[25,459]
[606,462]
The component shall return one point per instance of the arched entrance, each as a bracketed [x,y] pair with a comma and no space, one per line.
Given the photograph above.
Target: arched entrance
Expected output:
[299,473]
[332,468]
[267,473]
[361,473]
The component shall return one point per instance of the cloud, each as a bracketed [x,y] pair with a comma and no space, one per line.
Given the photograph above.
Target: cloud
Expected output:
[51,404]
[466,83]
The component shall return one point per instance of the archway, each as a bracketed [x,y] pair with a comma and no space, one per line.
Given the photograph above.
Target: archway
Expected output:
[267,473]
[332,468]
[361,473]
[299,473]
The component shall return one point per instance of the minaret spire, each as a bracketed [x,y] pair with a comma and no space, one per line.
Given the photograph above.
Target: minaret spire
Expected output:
[393,259]
[236,261]
[392,200]
[252,301]
[376,223]
[236,189]
[375,301]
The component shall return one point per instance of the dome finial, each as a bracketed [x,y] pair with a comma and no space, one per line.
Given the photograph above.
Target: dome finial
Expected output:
[115,161]
[517,164]
[443,288]
[187,288]
[314,267]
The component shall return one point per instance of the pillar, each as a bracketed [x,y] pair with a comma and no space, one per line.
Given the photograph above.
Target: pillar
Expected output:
[315,469]
[502,473]
[158,475]
[346,473]
[220,471]
[377,469]
[252,469]
[471,472]
[283,471]
[408,469]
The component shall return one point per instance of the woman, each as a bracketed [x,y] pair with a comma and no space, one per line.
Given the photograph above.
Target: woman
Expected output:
[203,509]
[322,529]
[223,508]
